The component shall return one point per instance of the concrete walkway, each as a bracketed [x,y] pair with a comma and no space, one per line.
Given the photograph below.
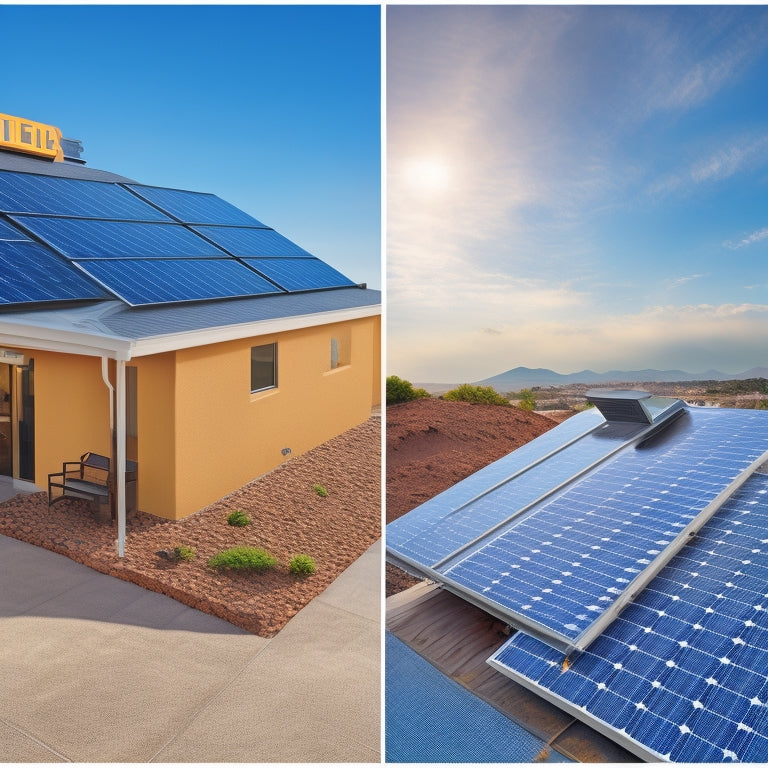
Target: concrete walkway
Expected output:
[94,669]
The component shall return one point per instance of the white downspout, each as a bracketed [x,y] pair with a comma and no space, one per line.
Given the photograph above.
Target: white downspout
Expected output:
[105,376]
[118,441]
[120,457]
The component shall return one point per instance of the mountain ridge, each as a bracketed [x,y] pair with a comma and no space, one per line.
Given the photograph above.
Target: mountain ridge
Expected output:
[525,378]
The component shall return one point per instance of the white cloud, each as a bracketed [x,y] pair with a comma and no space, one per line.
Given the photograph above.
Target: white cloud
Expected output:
[754,237]
[693,338]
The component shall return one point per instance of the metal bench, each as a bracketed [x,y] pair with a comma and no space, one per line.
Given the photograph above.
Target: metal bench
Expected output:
[91,479]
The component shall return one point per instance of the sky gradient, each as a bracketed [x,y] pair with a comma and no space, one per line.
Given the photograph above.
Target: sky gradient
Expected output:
[247,102]
[576,187]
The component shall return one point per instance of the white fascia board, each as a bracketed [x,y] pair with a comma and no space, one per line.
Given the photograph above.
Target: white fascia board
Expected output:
[67,342]
[199,338]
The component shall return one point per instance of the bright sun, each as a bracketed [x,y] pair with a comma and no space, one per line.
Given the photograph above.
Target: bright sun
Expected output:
[427,174]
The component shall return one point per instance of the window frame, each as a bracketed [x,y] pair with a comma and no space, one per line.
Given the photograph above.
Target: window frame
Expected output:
[273,384]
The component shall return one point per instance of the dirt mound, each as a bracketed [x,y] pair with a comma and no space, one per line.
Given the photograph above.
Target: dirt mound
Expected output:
[433,443]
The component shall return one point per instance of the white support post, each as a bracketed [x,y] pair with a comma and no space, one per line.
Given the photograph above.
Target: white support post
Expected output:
[120,456]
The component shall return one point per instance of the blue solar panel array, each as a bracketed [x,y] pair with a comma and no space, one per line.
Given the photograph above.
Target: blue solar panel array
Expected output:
[556,569]
[682,674]
[447,521]
[55,196]
[132,225]
[194,207]
[162,281]
[299,274]
[89,239]
[249,241]
[44,276]
[565,564]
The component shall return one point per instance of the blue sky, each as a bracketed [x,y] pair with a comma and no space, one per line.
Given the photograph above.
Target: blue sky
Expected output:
[275,109]
[576,187]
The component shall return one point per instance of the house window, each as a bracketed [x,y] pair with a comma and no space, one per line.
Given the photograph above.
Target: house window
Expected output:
[263,367]
[340,348]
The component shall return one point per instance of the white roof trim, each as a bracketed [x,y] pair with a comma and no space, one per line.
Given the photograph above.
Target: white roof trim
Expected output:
[42,336]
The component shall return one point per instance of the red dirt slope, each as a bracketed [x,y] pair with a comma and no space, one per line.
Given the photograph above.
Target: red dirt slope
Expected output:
[433,443]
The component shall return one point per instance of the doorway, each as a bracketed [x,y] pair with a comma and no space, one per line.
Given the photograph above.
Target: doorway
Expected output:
[6,431]
[17,421]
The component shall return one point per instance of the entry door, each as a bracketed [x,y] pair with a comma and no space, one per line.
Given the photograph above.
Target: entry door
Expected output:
[6,429]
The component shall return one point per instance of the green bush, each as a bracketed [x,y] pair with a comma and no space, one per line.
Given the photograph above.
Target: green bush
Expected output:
[527,401]
[401,391]
[247,558]
[320,490]
[474,393]
[183,552]
[238,518]
[303,565]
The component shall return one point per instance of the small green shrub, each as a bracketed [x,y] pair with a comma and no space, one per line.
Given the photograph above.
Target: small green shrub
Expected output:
[474,393]
[401,391]
[303,565]
[247,558]
[183,552]
[320,490]
[238,518]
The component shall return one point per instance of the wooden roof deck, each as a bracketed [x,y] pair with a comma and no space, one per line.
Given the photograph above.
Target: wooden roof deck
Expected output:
[457,638]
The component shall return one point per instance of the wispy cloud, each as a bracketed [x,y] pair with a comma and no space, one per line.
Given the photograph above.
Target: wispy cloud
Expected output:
[740,154]
[676,282]
[754,237]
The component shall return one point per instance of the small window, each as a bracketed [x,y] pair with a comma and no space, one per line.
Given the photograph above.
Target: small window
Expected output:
[340,348]
[263,367]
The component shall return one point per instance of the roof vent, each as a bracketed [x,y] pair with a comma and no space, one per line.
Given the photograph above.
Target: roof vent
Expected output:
[633,405]
[72,149]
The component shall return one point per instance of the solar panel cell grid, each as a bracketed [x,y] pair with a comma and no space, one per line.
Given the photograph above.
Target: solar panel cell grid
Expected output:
[683,671]
[502,569]
[87,239]
[247,241]
[145,281]
[31,193]
[300,274]
[194,207]
[444,524]
[31,273]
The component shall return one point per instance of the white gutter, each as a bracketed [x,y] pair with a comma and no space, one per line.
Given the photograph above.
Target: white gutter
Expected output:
[105,344]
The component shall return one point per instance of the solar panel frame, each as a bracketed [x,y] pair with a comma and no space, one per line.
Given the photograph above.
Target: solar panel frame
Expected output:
[28,193]
[45,276]
[80,239]
[299,273]
[499,588]
[143,282]
[251,242]
[193,207]
[681,674]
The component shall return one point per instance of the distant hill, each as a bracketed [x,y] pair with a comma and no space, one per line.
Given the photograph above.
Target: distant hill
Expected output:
[525,378]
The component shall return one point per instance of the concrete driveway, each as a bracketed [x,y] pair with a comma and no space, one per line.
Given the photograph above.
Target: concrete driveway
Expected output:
[94,669]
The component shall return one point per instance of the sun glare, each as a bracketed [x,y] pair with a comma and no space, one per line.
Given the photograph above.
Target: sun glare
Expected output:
[427,174]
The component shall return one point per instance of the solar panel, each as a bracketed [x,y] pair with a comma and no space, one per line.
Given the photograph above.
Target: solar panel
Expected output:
[248,241]
[300,274]
[31,193]
[29,272]
[455,518]
[194,207]
[564,568]
[157,281]
[9,232]
[682,674]
[570,563]
[89,239]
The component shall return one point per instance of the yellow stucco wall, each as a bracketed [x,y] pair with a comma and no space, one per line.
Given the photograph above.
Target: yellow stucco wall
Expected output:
[201,432]
[71,410]
[226,436]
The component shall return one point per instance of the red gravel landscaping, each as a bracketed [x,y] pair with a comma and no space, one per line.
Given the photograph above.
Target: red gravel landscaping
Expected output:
[288,518]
